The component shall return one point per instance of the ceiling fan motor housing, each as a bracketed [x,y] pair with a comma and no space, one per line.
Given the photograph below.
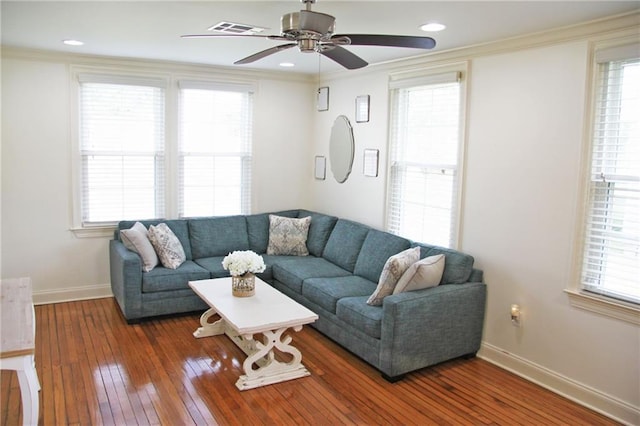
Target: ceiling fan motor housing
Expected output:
[308,25]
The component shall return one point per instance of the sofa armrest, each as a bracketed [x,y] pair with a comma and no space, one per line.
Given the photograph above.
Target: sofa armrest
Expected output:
[126,279]
[425,327]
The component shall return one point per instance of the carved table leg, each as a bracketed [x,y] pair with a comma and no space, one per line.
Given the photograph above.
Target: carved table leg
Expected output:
[209,328]
[269,369]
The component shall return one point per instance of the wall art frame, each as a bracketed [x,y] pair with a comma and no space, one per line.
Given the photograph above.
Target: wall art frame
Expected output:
[323,99]
[362,108]
[370,162]
[320,167]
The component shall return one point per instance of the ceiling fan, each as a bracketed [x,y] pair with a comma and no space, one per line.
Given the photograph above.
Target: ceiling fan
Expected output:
[313,32]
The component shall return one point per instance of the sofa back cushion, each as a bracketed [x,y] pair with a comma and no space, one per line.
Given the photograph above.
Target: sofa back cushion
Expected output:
[319,231]
[377,248]
[457,266]
[178,226]
[218,236]
[258,229]
[344,243]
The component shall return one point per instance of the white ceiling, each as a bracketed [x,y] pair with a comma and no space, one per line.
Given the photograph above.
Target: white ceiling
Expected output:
[152,29]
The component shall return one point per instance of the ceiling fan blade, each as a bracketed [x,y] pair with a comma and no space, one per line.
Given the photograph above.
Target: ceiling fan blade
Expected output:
[344,57]
[264,53]
[415,42]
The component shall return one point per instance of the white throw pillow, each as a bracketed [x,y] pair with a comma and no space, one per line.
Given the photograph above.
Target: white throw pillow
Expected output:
[393,269]
[167,245]
[288,236]
[136,239]
[423,274]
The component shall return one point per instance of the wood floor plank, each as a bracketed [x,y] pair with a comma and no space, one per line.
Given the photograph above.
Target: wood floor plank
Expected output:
[95,369]
[10,398]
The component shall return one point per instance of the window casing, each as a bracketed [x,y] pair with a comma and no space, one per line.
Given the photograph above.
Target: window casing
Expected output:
[425,149]
[611,246]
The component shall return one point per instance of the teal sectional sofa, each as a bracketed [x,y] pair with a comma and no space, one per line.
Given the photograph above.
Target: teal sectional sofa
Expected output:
[409,331]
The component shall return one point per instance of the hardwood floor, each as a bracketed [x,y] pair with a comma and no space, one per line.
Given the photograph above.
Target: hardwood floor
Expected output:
[97,370]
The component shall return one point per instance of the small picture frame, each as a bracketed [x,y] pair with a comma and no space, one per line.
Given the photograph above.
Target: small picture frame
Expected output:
[323,99]
[371,162]
[362,109]
[320,167]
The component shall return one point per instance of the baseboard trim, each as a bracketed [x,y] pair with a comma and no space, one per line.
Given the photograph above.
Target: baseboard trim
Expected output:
[72,294]
[584,395]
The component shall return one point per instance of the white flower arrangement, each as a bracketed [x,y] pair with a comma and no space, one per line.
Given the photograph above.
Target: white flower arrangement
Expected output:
[240,262]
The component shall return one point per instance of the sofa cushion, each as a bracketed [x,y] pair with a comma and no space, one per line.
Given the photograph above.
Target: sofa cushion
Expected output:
[422,274]
[179,227]
[294,271]
[167,246]
[258,229]
[163,279]
[136,239]
[326,292]
[355,312]
[288,236]
[345,243]
[319,231]
[457,266]
[213,265]
[218,236]
[269,261]
[377,248]
[393,270]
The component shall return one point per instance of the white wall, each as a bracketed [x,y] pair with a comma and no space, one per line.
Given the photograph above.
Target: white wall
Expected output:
[359,198]
[36,171]
[526,112]
[522,195]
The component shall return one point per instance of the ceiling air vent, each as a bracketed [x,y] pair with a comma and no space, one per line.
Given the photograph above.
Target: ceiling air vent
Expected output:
[235,28]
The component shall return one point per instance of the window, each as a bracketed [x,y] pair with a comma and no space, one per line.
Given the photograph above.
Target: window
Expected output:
[148,149]
[121,144]
[425,144]
[611,253]
[215,150]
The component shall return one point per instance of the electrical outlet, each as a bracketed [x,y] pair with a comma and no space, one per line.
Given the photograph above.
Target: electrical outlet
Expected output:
[516,315]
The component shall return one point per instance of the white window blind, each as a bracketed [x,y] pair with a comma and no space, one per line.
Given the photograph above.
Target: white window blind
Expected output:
[424,149]
[611,258]
[121,146]
[215,149]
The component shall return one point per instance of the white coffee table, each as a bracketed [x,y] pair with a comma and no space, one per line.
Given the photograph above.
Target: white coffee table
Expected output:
[269,313]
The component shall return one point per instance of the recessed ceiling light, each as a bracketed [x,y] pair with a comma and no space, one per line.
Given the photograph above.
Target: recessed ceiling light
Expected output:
[433,27]
[71,42]
[286,64]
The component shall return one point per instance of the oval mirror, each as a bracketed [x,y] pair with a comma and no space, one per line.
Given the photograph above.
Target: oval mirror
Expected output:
[341,148]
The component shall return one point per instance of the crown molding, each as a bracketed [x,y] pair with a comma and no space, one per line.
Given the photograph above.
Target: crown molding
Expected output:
[600,30]
[159,66]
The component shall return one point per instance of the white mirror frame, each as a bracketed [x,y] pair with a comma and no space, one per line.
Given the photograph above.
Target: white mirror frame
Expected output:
[341,148]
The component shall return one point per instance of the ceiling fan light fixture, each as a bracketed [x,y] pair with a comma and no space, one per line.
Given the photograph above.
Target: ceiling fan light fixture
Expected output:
[432,27]
[309,23]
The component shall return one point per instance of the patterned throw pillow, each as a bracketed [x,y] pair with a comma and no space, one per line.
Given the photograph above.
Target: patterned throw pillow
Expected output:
[167,245]
[423,274]
[288,236]
[393,269]
[136,239]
